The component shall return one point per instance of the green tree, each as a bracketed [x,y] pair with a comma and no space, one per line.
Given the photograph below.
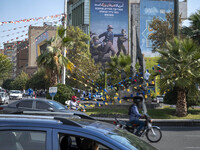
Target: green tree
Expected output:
[162,31]
[5,67]
[63,93]
[116,65]
[180,69]
[52,60]
[192,97]
[193,31]
[20,82]
[85,71]
[39,80]
[7,84]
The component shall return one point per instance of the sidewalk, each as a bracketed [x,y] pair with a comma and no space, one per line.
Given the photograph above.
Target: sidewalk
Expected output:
[161,122]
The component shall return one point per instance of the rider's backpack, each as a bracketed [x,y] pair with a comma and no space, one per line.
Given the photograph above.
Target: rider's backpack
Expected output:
[129,110]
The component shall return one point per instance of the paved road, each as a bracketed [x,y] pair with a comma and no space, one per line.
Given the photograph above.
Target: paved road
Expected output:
[179,138]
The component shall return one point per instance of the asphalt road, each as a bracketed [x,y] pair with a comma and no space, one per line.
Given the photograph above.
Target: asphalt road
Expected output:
[178,138]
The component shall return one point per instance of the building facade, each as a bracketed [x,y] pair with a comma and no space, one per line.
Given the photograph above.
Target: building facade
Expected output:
[141,12]
[78,14]
[38,35]
[22,57]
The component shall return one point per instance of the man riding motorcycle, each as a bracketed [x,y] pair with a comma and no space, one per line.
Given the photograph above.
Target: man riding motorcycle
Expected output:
[134,115]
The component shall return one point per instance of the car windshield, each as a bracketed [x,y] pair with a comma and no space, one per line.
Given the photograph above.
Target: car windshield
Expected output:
[129,140]
[122,136]
[57,105]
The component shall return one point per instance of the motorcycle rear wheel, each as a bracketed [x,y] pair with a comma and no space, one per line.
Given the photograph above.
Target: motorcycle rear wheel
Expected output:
[154,137]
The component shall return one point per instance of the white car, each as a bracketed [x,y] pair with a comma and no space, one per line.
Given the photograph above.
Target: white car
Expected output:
[4,98]
[160,99]
[15,94]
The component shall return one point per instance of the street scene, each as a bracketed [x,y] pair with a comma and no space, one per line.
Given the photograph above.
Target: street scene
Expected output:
[99,75]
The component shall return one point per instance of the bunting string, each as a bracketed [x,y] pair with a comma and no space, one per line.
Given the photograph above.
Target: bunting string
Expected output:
[31,19]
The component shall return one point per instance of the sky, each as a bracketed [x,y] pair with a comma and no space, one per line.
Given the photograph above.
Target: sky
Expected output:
[12,10]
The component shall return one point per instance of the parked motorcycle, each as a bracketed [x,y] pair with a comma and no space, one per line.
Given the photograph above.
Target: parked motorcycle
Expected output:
[153,133]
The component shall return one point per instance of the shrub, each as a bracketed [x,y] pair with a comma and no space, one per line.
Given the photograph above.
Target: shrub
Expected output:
[63,93]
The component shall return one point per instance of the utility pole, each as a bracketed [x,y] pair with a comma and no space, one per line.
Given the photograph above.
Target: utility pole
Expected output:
[176,17]
[64,49]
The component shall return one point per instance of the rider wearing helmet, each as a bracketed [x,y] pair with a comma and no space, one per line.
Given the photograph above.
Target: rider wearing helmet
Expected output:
[134,114]
[73,103]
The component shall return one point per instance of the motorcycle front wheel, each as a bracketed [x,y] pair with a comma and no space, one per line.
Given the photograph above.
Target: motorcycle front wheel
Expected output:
[154,134]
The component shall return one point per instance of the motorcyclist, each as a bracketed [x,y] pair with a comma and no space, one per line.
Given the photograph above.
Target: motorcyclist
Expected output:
[73,104]
[134,115]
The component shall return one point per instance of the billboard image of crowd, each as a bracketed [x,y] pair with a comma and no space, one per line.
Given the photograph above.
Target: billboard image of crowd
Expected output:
[108,29]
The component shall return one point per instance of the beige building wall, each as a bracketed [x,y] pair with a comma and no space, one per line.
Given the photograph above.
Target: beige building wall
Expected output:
[35,32]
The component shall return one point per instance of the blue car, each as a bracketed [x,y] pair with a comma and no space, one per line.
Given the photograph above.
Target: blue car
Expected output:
[34,132]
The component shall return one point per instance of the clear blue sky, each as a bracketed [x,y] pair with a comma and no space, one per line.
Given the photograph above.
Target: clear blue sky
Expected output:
[11,10]
[20,9]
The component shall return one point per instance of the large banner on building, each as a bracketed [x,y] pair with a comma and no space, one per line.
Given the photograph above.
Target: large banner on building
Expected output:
[108,28]
[148,10]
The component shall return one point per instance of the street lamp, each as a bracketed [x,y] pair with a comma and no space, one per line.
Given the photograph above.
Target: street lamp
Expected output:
[176,17]
[65,27]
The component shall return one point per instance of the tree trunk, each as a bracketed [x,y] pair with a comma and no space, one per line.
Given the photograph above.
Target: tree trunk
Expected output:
[181,105]
[53,79]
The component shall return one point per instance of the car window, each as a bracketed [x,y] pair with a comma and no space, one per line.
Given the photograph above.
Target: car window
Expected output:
[129,140]
[42,105]
[56,105]
[25,104]
[76,142]
[23,140]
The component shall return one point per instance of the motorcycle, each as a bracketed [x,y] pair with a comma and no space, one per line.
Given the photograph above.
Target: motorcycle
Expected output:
[152,133]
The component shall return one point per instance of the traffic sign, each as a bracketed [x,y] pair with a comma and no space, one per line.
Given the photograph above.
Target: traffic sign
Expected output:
[53,91]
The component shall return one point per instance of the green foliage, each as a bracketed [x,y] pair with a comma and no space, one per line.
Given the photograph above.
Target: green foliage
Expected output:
[115,66]
[163,30]
[192,97]
[153,94]
[64,93]
[39,80]
[5,67]
[179,64]
[52,60]
[85,69]
[20,82]
[180,69]
[193,31]
[7,84]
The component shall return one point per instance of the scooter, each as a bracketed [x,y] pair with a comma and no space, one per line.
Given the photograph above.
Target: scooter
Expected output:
[153,133]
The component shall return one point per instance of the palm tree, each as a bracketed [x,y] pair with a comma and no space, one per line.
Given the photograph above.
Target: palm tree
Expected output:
[193,31]
[180,68]
[52,60]
[117,65]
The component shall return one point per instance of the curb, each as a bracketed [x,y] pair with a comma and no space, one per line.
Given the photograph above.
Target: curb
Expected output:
[161,122]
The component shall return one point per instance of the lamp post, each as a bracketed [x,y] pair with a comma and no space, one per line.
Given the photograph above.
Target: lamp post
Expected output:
[176,17]
[64,49]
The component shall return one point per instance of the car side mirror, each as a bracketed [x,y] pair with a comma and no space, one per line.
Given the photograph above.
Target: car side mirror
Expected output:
[50,109]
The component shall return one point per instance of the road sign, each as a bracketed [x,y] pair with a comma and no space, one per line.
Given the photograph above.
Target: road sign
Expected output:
[52,91]
[30,91]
